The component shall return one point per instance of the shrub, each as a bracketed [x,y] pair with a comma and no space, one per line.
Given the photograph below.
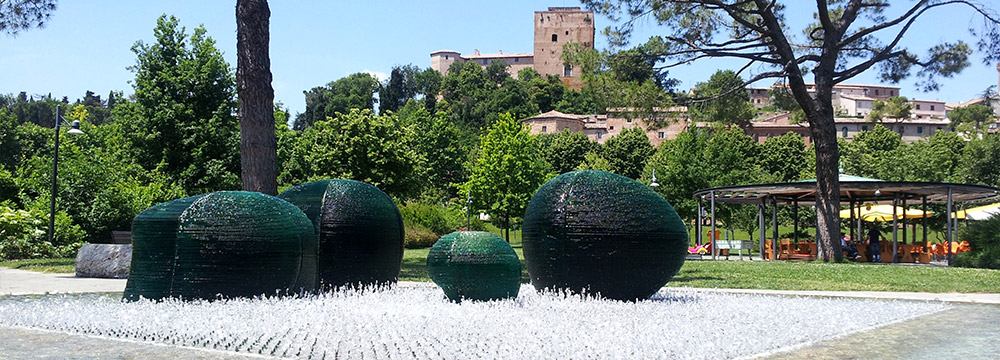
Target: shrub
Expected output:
[429,217]
[417,236]
[23,235]
[984,243]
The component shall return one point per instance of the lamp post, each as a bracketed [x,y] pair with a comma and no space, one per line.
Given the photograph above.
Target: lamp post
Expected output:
[75,130]
[653,182]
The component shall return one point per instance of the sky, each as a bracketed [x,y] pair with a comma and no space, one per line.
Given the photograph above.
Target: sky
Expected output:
[87,44]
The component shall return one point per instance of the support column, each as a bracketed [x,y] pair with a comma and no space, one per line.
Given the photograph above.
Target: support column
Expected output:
[697,226]
[895,243]
[715,250]
[760,228]
[774,228]
[950,227]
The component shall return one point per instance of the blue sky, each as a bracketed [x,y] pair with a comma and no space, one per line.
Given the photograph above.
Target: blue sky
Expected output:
[86,45]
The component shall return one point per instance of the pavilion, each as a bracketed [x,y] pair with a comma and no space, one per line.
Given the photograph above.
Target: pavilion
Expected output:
[855,190]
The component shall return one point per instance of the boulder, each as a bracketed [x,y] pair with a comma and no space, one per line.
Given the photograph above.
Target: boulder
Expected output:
[104,260]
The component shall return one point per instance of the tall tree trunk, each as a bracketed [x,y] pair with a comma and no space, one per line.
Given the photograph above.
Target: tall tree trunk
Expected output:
[258,146]
[824,133]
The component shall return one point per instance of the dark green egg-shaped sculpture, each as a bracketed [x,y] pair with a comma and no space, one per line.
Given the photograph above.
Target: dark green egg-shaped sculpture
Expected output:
[222,244]
[359,232]
[602,234]
[474,265]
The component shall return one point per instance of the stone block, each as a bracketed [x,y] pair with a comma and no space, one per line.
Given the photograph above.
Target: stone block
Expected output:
[104,261]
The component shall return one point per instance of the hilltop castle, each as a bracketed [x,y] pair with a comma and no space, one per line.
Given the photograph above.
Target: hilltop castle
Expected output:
[553,28]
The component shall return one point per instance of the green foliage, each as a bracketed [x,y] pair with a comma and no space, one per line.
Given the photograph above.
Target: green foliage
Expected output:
[565,150]
[442,145]
[628,152]
[436,218]
[418,237]
[896,107]
[726,101]
[984,242]
[981,159]
[23,235]
[971,120]
[354,92]
[593,161]
[784,156]
[17,16]
[678,169]
[620,81]
[936,159]
[870,152]
[182,122]
[10,147]
[358,145]
[507,171]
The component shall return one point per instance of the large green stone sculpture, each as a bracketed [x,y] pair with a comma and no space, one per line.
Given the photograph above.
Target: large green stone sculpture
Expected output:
[474,265]
[221,244]
[358,228]
[600,233]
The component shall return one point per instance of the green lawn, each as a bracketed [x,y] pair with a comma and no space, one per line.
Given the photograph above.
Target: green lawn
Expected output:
[57,265]
[779,275]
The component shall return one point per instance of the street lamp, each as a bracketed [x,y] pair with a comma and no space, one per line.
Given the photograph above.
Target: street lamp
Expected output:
[75,130]
[653,182]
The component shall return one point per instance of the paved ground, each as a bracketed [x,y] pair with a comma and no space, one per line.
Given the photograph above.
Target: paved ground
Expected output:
[21,282]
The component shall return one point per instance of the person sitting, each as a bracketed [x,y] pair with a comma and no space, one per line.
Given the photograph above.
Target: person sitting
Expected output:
[850,251]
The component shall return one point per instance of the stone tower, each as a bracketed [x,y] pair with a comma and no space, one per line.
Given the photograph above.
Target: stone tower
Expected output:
[555,28]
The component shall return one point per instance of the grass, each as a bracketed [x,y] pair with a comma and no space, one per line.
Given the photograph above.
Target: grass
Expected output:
[780,275]
[55,265]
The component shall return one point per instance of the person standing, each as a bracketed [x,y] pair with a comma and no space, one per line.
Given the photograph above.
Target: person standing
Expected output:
[874,235]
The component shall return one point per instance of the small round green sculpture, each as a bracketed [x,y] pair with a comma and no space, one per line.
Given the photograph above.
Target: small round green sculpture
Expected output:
[359,232]
[602,234]
[474,265]
[220,244]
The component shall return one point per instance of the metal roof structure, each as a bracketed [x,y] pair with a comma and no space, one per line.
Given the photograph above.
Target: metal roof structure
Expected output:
[851,187]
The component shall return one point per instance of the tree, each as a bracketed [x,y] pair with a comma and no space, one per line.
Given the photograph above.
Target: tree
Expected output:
[844,42]
[508,171]
[678,167]
[896,108]
[20,15]
[935,159]
[181,122]
[359,145]
[784,156]
[356,91]
[565,150]
[628,152]
[981,159]
[258,145]
[726,101]
[404,83]
[871,152]
[442,146]
[971,120]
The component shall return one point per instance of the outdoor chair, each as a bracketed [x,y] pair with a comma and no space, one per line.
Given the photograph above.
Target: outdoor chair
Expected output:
[785,250]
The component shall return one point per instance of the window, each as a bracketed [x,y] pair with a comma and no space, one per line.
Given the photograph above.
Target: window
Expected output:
[544,128]
[567,32]
[555,37]
[892,93]
[918,106]
[567,70]
[876,92]
[446,57]
[920,129]
[598,135]
[517,59]
[485,62]
[612,127]
[660,135]
[932,107]
[864,127]
[628,121]
[843,132]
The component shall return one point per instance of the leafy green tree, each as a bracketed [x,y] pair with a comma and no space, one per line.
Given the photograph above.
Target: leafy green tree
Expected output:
[971,120]
[593,161]
[870,152]
[507,173]
[628,152]
[678,165]
[475,96]
[784,156]
[842,43]
[258,145]
[935,159]
[981,159]
[897,108]
[17,16]
[359,145]
[10,147]
[181,123]
[444,148]
[722,99]
[356,91]
[404,83]
[565,150]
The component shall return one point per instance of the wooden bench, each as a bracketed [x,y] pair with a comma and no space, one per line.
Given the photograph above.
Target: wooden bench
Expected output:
[121,237]
[738,245]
